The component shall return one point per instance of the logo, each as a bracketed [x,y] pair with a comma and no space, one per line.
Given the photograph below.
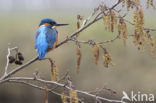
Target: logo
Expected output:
[137,97]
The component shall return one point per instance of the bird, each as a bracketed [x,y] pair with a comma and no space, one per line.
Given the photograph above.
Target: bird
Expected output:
[46,37]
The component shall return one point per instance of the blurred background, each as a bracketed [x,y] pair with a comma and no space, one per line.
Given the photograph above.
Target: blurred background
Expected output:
[19,20]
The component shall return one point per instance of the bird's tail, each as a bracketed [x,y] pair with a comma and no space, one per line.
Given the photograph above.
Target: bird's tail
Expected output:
[41,46]
[42,52]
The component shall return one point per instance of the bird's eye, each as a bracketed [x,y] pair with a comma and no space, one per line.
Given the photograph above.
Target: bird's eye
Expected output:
[52,23]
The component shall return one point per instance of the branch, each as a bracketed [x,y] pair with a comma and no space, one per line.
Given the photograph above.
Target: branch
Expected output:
[51,83]
[18,68]
[89,41]
[7,64]
[35,86]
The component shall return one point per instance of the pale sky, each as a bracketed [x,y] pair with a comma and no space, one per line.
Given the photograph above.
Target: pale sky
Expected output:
[45,4]
[9,5]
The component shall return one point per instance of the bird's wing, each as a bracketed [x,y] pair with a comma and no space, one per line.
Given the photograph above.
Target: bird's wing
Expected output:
[45,38]
[36,36]
[51,37]
[41,42]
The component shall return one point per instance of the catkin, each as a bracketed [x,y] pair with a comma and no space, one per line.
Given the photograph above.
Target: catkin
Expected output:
[54,73]
[46,95]
[140,35]
[152,42]
[110,21]
[123,3]
[124,32]
[79,55]
[113,20]
[104,21]
[147,3]
[64,98]
[96,53]
[136,2]
[135,20]
[119,30]
[73,96]
[107,60]
[128,4]
[78,26]
[151,3]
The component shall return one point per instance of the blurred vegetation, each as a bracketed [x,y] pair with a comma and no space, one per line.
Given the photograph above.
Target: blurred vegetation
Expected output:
[134,70]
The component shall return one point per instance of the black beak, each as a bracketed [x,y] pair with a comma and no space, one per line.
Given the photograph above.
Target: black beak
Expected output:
[59,24]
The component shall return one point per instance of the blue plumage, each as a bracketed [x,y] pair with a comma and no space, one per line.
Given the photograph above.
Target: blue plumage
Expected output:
[45,38]
[51,37]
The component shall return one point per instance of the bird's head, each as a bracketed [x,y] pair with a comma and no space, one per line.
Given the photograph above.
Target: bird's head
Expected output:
[50,23]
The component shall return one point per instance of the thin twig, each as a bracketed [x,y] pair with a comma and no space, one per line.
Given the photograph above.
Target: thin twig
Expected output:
[149,29]
[7,63]
[88,42]
[18,68]
[112,40]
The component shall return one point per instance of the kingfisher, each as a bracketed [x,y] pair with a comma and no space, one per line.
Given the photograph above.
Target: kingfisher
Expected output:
[46,37]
